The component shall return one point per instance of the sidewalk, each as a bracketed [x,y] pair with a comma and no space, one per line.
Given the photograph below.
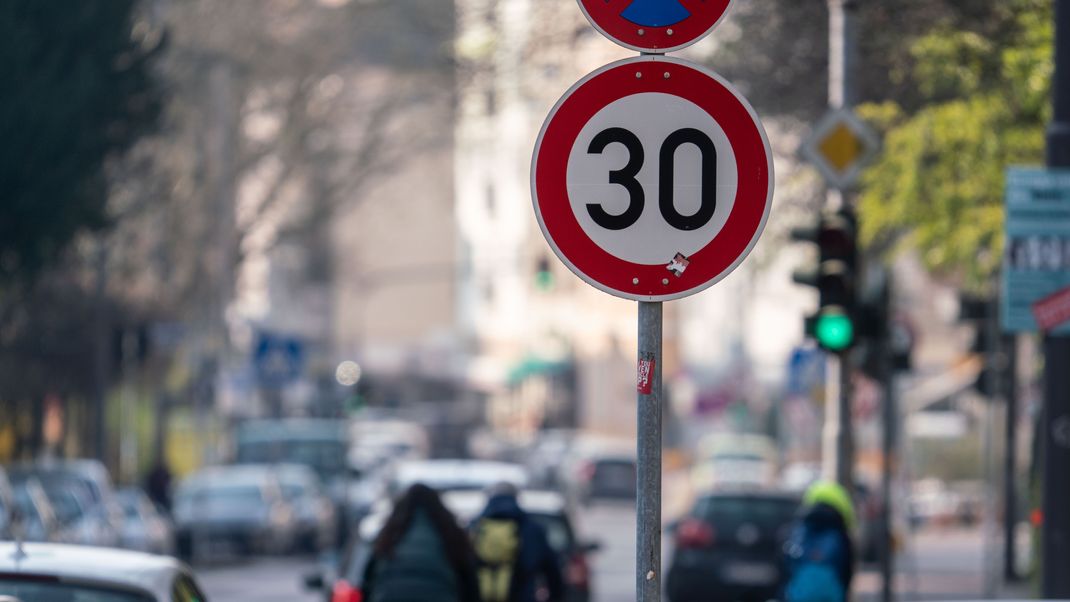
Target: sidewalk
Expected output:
[939,564]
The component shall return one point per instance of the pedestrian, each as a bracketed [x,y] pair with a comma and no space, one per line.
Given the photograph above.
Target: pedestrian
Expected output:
[515,557]
[421,554]
[158,485]
[820,552]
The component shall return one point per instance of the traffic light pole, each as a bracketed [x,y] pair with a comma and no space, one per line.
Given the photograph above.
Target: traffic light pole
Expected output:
[1055,535]
[839,448]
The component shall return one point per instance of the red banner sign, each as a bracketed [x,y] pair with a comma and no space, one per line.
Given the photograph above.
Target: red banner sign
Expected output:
[1053,310]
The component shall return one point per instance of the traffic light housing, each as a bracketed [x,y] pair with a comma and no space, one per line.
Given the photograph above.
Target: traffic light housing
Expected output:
[835,324]
[544,275]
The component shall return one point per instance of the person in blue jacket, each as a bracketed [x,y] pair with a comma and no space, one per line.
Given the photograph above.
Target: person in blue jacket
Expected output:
[515,558]
[820,553]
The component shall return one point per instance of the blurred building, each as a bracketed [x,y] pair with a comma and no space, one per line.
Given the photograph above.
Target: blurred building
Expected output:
[546,348]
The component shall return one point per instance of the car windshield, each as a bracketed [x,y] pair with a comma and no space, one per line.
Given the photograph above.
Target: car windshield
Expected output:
[767,512]
[558,533]
[326,457]
[130,508]
[231,496]
[294,490]
[42,591]
[614,473]
[67,505]
[59,479]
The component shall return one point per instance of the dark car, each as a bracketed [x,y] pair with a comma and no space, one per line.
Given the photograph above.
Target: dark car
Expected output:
[729,547]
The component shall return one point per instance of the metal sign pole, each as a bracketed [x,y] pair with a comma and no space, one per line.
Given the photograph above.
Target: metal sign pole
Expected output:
[648,507]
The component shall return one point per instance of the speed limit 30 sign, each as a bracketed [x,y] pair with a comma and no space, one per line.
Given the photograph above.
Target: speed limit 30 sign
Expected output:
[652,178]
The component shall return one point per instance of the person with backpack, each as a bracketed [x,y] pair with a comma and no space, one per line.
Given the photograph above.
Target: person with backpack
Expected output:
[421,554]
[515,558]
[820,553]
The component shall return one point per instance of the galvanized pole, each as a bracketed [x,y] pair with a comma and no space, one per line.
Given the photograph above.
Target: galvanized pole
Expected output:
[1055,536]
[648,507]
[838,443]
[992,373]
[1010,461]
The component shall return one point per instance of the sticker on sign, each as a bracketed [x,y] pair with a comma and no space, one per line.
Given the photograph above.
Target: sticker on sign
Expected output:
[652,178]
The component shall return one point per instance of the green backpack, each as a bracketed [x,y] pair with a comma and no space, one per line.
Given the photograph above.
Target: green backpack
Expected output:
[497,543]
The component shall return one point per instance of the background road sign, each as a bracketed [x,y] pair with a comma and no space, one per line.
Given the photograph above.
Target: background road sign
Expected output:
[652,178]
[1037,255]
[655,25]
[840,145]
[278,359]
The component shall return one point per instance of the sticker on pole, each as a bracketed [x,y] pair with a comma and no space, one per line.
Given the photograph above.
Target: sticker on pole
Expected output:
[645,377]
[655,25]
[652,179]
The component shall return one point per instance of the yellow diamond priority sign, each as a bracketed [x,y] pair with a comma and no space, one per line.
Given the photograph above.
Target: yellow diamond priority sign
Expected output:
[840,146]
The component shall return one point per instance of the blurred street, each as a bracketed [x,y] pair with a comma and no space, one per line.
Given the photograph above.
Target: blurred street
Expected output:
[263,579]
[372,300]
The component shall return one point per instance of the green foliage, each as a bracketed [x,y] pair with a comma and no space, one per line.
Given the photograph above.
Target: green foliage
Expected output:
[938,185]
[77,91]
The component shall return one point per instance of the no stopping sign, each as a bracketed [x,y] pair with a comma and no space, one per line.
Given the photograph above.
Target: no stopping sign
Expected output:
[655,25]
[652,178]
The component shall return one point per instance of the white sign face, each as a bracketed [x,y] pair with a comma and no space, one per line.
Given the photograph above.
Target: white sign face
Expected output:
[641,129]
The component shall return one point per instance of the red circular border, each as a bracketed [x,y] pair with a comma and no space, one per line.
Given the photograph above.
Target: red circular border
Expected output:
[606,17]
[550,168]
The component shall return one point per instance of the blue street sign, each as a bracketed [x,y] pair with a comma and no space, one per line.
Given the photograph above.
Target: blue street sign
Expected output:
[1036,260]
[278,359]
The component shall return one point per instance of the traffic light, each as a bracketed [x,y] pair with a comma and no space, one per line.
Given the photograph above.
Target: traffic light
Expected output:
[544,275]
[835,325]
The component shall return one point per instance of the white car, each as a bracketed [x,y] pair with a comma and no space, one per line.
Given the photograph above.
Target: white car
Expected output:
[45,571]
[455,475]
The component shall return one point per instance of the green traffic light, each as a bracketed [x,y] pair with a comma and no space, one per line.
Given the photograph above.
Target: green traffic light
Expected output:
[834,330]
[544,280]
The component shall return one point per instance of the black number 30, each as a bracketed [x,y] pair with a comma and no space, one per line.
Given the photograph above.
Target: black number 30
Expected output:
[666,179]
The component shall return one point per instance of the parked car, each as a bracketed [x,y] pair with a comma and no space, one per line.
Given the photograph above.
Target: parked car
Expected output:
[46,571]
[241,507]
[322,445]
[549,508]
[728,460]
[313,510]
[454,475]
[7,507]
[602,475]
[546,456]
[37,519]
[731,542]
[82,497]
[144,527]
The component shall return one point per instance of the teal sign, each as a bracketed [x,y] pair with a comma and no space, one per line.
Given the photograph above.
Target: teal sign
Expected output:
[1036,261]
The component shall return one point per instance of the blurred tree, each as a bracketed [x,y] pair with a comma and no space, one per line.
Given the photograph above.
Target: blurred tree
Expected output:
[776,51]
[78,90]
[959,90]
[938,185]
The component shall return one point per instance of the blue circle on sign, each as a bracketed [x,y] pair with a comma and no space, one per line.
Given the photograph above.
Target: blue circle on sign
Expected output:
[655,13]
